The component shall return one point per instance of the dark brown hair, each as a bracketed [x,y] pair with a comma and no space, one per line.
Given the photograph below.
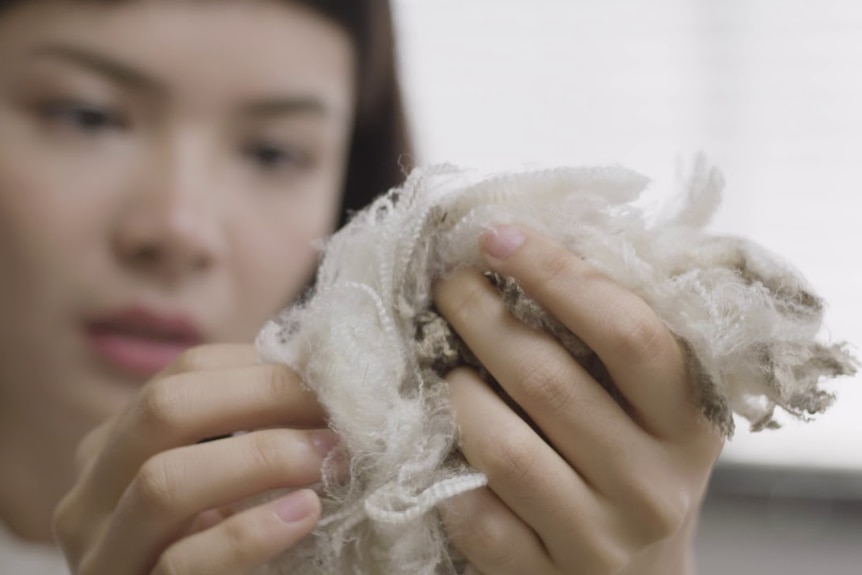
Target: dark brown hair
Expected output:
[380,141]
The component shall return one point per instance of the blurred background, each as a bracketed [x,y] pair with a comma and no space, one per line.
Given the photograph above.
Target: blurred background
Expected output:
[771,92]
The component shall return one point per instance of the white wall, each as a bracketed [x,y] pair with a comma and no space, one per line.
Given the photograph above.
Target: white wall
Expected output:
[771,90]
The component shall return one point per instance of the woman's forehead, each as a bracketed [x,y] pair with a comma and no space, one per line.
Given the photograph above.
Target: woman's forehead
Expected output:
[232,47]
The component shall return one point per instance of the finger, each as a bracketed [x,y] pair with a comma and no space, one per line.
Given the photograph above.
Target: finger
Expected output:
[645,361]
[210,357]
[92,444]
[492,537]
[206,357]
[576,525]
[208,518]
[245,540]
[542,489]
[173,487]
[545,381]
[183,409]
[72,522]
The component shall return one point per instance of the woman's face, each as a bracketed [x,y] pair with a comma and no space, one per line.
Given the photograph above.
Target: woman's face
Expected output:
[165,169]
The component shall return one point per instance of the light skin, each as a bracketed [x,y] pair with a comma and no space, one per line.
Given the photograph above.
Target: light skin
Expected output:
[177,205]
[138,173]
[616,488]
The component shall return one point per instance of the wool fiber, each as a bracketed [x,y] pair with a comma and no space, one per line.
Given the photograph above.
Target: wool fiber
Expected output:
[367,341]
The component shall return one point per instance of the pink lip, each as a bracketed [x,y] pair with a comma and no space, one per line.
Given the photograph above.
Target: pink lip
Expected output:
[141,342]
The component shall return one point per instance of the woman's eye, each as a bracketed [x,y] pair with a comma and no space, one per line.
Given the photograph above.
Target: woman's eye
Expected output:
[82,117]
[273,157]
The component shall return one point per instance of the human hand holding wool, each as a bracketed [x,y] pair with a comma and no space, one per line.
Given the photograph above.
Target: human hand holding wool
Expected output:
[153,498]
[589,418]
[612,484]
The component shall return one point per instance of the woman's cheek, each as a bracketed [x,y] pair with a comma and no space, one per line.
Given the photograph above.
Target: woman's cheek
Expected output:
[269,271]
[276,228]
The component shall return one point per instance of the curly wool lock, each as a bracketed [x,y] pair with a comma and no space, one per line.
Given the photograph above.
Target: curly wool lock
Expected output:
[367,342]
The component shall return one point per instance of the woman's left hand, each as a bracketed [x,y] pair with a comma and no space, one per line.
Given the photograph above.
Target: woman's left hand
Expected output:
[613,487]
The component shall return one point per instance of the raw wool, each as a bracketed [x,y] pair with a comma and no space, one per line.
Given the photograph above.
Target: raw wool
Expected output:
[369,344]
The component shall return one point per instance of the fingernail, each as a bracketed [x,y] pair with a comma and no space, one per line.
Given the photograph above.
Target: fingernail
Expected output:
[296,506]
[501,241]
[323,441]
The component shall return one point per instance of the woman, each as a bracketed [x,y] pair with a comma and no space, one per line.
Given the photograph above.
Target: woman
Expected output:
[165,168]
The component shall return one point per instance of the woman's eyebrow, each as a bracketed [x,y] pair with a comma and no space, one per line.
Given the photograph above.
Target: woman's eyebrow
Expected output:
[117,71]
[130,77]
[287,106]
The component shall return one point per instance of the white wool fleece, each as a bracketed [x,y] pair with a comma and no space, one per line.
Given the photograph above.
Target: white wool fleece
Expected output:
[367,342]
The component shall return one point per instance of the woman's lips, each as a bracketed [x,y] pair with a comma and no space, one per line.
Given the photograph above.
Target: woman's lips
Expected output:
[141,342]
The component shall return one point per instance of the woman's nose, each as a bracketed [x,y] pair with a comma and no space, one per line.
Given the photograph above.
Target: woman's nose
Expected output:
[170,225]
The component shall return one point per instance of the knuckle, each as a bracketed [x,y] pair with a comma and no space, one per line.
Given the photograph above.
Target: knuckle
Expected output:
[638,334]
[160,406]
[191,359]
[703,442]
[462,307]
[89,565]
[66,522]
[62,520]
[89,446]
[267,453]
[555,265]
[456,295]
[710,442]
[154,486]
[608,556]
[170,563]
[707,438]
[241,535]
[659,514]
[283,387]
[482,535]
[510,457]
[546,383]
[282,380]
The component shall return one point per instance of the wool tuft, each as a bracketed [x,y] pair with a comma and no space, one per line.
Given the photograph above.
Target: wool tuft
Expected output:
[368,342]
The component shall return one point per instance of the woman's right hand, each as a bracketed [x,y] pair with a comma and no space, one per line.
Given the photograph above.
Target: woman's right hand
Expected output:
[152,498]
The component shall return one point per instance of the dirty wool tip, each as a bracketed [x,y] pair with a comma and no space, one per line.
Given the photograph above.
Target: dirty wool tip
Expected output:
[366,340]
